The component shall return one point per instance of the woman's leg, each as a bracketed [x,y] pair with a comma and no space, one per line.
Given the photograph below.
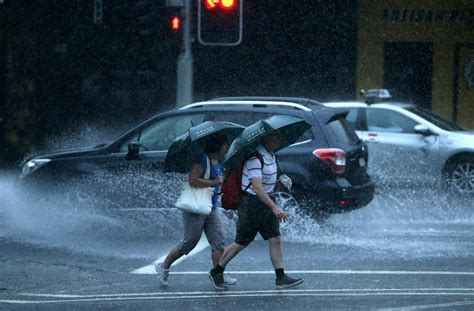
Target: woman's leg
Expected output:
[215,234]
[193,227]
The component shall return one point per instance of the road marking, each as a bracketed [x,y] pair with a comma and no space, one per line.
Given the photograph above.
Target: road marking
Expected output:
[150,269]
[432,306]
[281,291]
[234,294]
[374,272]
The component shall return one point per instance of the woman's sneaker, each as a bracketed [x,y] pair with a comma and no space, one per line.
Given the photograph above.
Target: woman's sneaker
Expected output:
[162,274]
[229,280]
[287,281]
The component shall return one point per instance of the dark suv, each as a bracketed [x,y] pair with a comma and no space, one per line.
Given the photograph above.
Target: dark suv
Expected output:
[328,165]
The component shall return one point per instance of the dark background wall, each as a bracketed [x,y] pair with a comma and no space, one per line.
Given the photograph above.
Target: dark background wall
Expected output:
[61,70]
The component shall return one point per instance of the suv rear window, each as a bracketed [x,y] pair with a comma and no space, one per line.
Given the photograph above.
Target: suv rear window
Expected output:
[340,133]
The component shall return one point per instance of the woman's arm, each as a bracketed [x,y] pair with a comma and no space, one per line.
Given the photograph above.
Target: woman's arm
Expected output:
[196,181]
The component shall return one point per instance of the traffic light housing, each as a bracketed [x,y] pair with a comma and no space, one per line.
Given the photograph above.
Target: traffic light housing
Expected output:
[220,22]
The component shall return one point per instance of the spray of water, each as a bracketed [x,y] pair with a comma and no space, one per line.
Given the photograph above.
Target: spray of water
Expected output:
[399,222]
[420,221]
[72,219]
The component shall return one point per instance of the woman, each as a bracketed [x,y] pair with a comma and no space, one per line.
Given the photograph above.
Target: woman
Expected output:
[213,226]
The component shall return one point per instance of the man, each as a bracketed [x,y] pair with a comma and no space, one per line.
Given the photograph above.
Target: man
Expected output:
[258,213]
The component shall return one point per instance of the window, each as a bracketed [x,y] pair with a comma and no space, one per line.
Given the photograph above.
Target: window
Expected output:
[341,134]
[306,136]
[244,118]
[161,134]
[351,118]
[436,120]
[383,120]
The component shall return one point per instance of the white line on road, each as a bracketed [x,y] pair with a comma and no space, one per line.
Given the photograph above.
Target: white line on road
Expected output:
[280,291]
[432,306]
[234,294]
[374,272]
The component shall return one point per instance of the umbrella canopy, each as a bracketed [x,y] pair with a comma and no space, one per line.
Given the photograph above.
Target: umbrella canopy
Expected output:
[189,145]
[290,128]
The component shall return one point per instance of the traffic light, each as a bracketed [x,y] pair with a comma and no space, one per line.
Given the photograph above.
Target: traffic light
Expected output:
[220,22]
[176,23]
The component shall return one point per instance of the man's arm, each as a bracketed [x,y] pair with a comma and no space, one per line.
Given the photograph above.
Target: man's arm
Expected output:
[265,198]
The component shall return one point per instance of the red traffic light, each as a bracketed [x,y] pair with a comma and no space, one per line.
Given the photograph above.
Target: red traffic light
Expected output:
[228,4]
[223,4]
[220,22]
[176,23]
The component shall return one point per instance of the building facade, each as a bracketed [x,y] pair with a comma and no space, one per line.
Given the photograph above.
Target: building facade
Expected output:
[422,51]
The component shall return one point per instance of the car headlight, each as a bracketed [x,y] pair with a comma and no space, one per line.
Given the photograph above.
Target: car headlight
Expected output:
[32,165]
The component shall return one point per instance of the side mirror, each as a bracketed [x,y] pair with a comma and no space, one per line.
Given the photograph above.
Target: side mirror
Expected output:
[423,130]
[133,151]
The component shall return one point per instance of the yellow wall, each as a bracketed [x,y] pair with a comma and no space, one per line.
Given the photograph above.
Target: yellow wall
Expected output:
[465,92]
[446,24]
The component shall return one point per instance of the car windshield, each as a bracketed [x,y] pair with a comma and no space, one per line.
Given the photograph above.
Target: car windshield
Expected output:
[436,120]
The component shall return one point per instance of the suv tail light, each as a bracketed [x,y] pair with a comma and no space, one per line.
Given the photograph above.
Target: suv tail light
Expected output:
[335,158]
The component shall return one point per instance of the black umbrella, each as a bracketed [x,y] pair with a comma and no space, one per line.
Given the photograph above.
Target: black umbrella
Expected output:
[189,145]
[290,128]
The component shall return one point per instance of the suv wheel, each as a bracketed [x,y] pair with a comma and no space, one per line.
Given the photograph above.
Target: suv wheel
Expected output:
[460,175]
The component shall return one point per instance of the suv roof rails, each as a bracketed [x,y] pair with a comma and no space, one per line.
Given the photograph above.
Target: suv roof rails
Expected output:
[298,100]
[253,103]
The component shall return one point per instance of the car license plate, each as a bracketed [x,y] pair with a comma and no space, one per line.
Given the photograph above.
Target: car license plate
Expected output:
[362,162]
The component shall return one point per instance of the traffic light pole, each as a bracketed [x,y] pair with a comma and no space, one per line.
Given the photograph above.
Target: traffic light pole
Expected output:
[184,93]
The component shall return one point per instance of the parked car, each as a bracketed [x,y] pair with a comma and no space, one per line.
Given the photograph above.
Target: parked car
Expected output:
[327,164]
[408,144]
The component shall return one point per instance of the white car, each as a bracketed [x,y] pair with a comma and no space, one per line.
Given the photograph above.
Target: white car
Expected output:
[407,143]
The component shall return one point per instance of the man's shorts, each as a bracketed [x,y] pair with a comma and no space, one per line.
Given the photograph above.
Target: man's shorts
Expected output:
[255,217]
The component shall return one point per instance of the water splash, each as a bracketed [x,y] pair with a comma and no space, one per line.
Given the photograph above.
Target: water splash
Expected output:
[402,223]
[405,223]
[63,220]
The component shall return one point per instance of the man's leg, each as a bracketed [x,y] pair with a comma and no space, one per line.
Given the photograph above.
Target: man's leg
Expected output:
[216,274]
[230,252]
[215,256]
[276,252]
[246,230]
[276,255]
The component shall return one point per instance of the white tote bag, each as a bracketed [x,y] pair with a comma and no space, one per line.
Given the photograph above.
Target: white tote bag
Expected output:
[196,200]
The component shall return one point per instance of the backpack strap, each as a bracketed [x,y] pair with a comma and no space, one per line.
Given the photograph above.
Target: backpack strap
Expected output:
[208,168]
[260,158]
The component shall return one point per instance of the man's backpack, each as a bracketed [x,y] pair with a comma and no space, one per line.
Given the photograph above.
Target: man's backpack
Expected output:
[232,192]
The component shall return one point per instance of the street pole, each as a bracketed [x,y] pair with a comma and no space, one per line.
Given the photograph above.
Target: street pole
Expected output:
[184,94]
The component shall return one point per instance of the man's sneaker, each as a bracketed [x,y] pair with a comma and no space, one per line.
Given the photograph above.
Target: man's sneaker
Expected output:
[217,280]
[229,280]
[162,274]
[287,281]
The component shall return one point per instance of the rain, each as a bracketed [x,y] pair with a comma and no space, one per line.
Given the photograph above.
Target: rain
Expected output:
[82,81]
